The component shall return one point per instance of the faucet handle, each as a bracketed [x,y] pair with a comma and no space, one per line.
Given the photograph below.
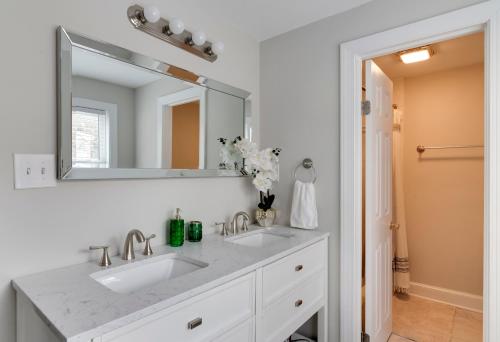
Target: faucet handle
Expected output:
[147,249]
[105,261]
[244,225]
[224,228]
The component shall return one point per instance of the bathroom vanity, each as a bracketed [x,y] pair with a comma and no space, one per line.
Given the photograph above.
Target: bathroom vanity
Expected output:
[258,286]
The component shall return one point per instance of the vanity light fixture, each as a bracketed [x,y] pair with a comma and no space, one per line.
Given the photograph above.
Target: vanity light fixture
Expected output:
[199,38]
[416,55]
[218,47]
[149,20]
[151,14]
[176,26]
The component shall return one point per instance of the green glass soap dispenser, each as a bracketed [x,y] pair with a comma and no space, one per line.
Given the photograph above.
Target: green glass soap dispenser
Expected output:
[177,230]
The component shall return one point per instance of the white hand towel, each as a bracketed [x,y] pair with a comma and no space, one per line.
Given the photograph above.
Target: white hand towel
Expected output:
[304,213]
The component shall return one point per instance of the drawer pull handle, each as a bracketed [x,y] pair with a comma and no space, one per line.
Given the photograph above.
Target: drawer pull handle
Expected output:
[195,323]
[298,303]
[298,268]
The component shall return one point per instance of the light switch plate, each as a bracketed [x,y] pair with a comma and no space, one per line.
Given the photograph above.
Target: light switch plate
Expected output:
[34,171]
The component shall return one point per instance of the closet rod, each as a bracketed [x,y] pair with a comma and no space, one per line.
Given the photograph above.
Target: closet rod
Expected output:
[422,148]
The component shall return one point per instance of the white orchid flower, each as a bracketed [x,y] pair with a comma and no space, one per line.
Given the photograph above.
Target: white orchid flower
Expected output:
[264,163]
[261,160]
[262,183]
[228,156]
[246,148]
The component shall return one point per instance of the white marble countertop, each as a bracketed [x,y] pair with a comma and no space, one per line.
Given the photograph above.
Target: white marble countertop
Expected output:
[78,308]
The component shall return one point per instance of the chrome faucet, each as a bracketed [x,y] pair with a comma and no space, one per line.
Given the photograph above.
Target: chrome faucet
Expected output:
[223,231]
[105,261]
[244,225]
[147,249]
[128,248]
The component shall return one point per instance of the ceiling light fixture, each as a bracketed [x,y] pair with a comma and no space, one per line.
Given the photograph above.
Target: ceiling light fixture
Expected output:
[149,20]
[416,55]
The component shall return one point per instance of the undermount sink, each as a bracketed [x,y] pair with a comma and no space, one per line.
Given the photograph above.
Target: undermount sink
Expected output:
[259,238]
[141,274]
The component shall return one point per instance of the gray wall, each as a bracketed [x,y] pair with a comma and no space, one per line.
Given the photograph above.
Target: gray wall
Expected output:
[123,97]
[225,119]
[300,104]
[146,107]
[48,228]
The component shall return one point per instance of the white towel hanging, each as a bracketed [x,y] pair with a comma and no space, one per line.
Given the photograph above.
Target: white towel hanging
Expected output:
[304,213]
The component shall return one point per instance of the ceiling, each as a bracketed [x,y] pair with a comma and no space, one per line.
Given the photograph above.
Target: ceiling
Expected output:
[449,54]
[264,19]
[99,67]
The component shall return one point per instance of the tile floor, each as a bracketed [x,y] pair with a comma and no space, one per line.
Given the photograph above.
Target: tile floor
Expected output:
[427,321]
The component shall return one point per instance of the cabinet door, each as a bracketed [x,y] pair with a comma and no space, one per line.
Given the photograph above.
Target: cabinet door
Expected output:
[201,318]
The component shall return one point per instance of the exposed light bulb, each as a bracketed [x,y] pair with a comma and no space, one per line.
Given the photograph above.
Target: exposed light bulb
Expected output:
[151,13]
[176,26]
[218,47]
[199,38]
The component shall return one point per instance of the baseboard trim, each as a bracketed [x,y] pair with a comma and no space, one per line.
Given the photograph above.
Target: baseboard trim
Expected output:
[456,298]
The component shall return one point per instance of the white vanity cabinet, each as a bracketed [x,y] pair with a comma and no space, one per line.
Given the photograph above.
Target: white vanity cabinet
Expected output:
[267,304]
[202,318]
[293,289]
[244,332]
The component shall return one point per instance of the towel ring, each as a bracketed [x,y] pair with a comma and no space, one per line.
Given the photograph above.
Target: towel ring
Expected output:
[307,164]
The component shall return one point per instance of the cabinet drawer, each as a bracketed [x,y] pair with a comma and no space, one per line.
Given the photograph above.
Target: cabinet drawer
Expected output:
[244,332]
[284,274]
[200,318]
[289,312]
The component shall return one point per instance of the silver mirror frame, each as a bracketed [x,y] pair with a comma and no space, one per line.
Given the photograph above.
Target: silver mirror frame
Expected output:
[65,42]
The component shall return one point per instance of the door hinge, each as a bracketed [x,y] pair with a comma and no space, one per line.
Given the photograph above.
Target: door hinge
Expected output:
[366,107]
[365,337]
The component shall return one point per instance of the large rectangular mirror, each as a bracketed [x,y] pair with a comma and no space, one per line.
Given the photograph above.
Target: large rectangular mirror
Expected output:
[125,115]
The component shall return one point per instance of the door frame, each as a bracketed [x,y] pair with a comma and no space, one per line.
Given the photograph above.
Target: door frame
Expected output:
[482,17]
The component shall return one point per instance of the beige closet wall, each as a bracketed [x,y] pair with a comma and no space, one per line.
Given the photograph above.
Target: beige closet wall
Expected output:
[444,189]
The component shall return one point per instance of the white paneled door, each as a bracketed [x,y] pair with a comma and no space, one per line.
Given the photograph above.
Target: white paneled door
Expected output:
[378,205]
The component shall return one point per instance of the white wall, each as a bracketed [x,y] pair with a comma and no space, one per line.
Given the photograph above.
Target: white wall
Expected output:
[300,104]
[48,228]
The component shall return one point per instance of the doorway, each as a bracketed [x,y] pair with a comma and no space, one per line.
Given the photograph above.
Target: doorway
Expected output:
[482,17]
[424,213]
[182,147]
[185,135]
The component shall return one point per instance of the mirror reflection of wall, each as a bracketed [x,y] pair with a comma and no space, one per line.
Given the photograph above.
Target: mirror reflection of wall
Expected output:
[222,123]
[126,116]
